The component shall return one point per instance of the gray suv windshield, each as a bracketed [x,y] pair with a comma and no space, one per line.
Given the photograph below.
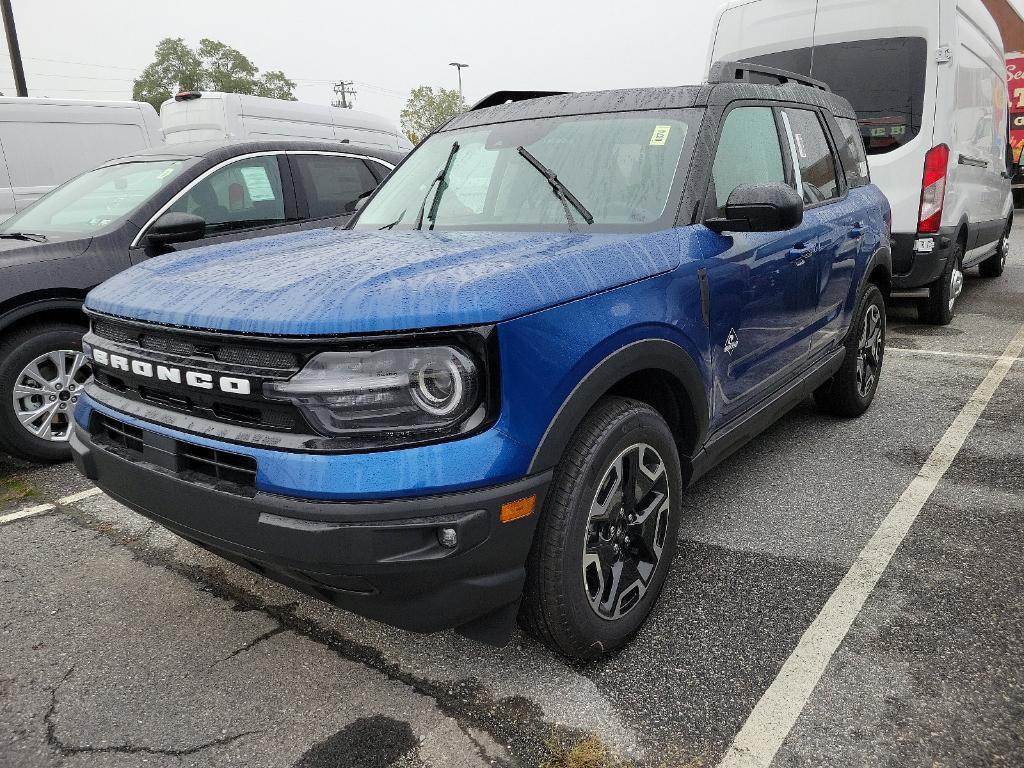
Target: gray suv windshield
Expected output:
[94,200]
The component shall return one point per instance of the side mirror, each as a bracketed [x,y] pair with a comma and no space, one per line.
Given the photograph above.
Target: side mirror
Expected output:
[773,207]
[357,205]
[176,228]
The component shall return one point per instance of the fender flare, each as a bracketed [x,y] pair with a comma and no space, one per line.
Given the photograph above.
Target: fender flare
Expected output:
[640,355]
[38,307]
[880,258]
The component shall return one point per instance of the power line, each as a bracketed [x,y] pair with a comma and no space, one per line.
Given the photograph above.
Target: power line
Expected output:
[343,91]
[85,64]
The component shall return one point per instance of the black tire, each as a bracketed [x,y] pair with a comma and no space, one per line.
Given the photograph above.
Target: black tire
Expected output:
[995,264]
[557,608]
[939,307]
[847,394]
[16,352]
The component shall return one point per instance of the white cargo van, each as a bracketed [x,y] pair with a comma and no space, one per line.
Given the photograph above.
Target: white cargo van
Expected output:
[927,79]
[200,116]
[45,142]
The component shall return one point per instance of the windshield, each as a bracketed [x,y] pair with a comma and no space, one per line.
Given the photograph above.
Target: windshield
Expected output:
[620,167]
[92,201]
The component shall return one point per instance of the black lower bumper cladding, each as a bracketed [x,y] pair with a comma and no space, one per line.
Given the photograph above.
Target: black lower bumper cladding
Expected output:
[383,559]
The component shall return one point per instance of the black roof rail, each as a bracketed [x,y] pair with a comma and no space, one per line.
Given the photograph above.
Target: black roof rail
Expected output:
[503,97]
[740,71]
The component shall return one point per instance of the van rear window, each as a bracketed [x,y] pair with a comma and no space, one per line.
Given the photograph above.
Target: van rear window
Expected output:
[883,79]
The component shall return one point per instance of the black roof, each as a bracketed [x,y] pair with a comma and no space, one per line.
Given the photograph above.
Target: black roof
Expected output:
[639,99]
[218,151]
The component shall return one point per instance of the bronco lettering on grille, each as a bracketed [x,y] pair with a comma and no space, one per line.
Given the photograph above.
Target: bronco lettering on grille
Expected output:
[233,385]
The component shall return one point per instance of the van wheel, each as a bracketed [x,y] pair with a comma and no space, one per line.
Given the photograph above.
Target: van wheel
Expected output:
[608,532]
[42,370]
[937,309]
[995,264]
[850,392]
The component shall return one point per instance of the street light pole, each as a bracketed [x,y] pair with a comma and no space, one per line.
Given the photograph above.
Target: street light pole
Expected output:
[459,67]
[12,46]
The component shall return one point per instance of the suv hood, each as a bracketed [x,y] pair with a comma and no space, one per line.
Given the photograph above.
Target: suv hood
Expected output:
[333,282]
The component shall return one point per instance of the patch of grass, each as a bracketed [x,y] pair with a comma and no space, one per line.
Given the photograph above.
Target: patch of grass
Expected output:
[590,752]
[13,488]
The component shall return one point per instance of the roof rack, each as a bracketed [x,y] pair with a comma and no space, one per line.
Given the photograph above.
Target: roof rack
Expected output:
[504,97]
[740,71]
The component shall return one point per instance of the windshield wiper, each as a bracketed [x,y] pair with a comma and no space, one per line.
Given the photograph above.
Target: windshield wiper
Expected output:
[30,236]
[394,223]
[442,179]
[560,190]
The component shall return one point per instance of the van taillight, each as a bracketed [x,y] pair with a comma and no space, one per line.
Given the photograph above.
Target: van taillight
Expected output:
[933,190]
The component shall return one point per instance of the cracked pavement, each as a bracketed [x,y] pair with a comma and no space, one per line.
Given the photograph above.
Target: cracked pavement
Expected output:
[122,645]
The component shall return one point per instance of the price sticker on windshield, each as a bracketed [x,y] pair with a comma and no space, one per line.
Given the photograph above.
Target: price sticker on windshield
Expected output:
[660,135]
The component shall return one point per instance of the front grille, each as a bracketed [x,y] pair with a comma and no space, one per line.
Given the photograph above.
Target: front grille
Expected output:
[188,345]
[258,361]
[222,470]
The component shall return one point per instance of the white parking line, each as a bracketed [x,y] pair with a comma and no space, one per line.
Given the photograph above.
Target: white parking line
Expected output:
[27,512]
[940,353]
[775,714]
[41,508]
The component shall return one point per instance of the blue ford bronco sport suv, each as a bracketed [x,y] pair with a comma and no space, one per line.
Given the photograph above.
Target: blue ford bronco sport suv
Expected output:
[487,396]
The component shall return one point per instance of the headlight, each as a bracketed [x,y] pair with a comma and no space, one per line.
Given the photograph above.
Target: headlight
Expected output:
[416,389]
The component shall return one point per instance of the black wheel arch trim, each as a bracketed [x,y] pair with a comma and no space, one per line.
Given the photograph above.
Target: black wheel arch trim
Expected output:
[645,354]
[39,306]
[880,258]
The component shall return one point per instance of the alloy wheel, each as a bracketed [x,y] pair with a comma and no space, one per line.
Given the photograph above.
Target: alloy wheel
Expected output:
[956,286]
[626,531]
[46,390]
[869,358]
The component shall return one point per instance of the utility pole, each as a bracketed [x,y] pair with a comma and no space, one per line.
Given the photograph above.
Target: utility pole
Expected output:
[343,91]
[14,48]
[459,67]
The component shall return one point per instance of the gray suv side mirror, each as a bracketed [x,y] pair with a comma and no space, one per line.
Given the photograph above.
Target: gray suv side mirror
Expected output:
[773,207]
[177,228]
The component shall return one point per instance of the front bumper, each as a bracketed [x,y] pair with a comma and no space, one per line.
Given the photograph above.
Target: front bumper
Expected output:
[380,559]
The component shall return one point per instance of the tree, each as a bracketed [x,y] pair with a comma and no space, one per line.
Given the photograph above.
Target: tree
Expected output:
[213,66]
[426,110]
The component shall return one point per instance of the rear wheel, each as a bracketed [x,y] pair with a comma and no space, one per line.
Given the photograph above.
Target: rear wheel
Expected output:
[938,308]
[42,372]
[995,264]
[850,392]
[608,534]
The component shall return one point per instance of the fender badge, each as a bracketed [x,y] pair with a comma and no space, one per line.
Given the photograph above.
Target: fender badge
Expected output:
[731,341]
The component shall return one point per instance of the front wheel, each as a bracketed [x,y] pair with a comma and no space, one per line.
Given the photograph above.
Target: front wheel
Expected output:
[850,392]
[42,372]
[608,534]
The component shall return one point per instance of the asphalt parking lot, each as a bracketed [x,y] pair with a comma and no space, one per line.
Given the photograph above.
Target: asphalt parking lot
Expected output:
[121,645]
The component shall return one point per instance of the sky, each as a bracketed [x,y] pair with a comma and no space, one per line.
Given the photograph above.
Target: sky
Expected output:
[73,49]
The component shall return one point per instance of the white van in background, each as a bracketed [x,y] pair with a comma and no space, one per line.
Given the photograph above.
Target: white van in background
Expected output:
[927,80]
[45,142]
[201,116]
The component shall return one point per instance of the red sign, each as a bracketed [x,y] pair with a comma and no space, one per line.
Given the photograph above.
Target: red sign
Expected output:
[1015,84]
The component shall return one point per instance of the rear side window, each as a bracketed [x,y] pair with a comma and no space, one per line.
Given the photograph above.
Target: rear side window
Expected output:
[812,156]
[332,183]
[851,152]
[748,153]
[883,79]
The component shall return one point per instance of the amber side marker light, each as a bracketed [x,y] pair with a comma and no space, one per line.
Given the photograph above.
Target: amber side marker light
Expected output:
[514,510]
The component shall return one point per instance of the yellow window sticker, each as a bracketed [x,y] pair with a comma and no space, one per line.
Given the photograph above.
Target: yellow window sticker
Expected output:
[660,135]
